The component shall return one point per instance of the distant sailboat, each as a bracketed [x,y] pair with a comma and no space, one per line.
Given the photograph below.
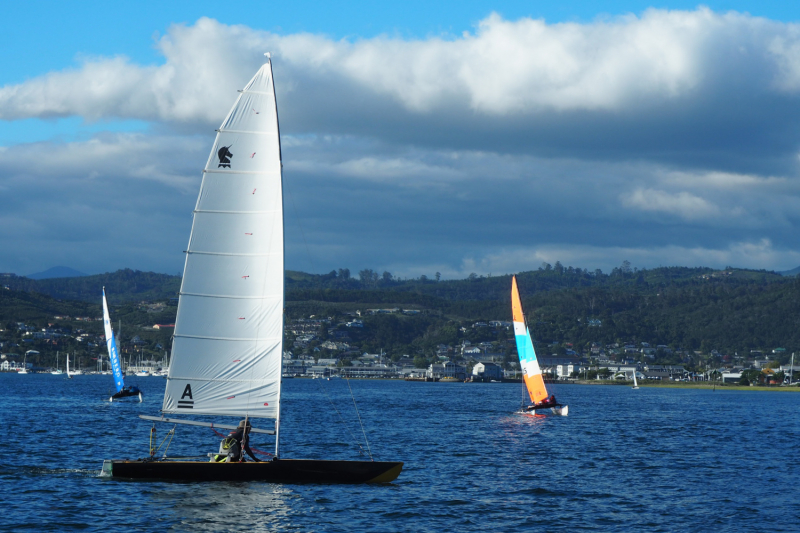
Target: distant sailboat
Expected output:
[57,371]
[113,356]
[69,376]
[228,342]
[531,372]
[24,369]
[76,371]
[635,383]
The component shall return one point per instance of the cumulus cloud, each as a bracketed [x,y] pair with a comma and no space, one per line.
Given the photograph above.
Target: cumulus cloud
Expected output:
[164,159]
[203,66]
[682,204]
[503,67]
[727,181]
[401,171]
[114,201]
[526,65]
[691,89]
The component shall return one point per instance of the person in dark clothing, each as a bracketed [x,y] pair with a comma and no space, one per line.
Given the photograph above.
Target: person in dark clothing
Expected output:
[547,402]
[130,390]
[234,443]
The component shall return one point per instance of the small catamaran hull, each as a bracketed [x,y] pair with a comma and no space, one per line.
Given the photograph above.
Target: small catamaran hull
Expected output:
[126,394]
[562,410]
[280,471]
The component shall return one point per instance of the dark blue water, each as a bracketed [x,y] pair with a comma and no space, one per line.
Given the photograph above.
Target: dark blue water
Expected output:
[652,459]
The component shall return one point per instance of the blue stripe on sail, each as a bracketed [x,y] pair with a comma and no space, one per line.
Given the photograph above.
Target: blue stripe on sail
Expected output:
[525,347]
[113,354]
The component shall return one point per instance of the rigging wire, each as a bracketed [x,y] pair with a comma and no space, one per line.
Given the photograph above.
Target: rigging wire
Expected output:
[170,434]
[524,390]
[361,448]
[359,419]
[152,436]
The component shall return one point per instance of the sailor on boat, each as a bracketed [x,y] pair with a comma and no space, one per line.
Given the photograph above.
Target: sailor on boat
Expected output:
[230,449]
[547,402]
[128,390]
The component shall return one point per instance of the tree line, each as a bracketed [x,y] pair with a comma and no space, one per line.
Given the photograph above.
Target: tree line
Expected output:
[732,310]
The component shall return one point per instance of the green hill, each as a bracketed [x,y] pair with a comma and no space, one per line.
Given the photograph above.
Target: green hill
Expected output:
[733,310]
[124,284]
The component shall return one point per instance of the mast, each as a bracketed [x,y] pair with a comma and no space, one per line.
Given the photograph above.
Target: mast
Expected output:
[283,284]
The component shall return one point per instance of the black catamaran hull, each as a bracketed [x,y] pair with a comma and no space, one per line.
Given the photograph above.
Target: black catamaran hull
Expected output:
[126,394]
[280,471]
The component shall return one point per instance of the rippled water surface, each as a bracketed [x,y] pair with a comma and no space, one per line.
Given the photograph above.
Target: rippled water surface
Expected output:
[624,460]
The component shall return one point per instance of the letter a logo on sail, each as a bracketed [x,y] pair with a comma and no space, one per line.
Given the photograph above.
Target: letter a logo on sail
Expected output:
[187,393]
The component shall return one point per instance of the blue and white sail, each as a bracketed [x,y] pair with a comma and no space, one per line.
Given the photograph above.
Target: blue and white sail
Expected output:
[113,347]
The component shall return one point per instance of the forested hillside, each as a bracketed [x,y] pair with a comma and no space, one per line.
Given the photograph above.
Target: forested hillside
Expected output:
[688,308]
[125,284]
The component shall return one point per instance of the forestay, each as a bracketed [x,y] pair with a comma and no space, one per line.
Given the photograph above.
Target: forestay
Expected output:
[227,349]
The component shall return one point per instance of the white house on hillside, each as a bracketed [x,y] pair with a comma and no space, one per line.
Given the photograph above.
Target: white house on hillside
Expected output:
[565,371]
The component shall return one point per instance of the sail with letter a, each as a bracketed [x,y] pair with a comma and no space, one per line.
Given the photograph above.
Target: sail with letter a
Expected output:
[531,372]
[227,349]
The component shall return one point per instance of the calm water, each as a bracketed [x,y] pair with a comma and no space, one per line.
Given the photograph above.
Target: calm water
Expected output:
[660,460]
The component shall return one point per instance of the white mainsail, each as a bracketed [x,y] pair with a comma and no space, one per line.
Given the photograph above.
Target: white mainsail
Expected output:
[227,348]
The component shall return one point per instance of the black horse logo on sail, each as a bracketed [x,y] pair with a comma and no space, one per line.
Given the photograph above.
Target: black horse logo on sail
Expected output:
[224,155]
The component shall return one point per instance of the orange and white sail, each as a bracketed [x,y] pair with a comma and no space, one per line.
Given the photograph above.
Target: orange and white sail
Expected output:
[527,356]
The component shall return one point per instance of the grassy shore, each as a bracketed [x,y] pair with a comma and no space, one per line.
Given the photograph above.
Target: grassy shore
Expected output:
[692,385]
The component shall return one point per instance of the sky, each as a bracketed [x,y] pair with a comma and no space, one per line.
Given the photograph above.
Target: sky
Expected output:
[418,137]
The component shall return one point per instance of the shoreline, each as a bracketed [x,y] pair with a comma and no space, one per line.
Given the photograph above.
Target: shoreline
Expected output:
[700,385]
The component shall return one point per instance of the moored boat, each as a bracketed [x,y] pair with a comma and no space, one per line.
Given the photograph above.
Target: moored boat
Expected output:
[57,371]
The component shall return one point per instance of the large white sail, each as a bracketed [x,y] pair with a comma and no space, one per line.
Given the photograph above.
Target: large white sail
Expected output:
[227,349]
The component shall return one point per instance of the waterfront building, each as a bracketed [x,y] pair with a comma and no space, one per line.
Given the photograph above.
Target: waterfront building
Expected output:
[487,370]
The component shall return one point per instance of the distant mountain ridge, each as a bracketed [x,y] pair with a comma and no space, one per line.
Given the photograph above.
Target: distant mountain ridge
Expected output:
[122,285]
[792,272]
[133,285]
[57,272]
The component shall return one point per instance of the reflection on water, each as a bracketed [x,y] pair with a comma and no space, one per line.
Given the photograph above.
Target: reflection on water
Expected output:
[651,459]
[226,506]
